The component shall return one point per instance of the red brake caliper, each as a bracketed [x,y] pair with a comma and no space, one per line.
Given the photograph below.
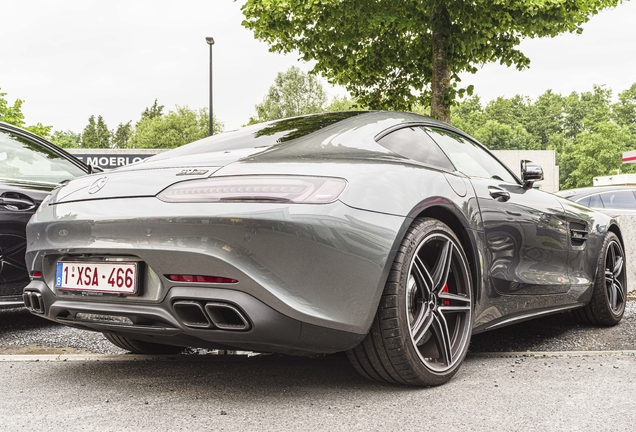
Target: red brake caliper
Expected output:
[445,289]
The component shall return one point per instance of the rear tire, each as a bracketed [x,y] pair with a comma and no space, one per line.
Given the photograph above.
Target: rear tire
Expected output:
[141,347]
[607,305]
[421,331]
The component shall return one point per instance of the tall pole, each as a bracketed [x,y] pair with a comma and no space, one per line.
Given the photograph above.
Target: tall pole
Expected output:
[210,41]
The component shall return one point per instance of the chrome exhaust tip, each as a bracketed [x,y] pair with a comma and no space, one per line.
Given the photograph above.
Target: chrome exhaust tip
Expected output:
[33,301]
[225,316]
[191,314]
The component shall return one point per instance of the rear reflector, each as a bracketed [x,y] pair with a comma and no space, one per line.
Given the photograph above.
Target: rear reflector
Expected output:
[199,279]
[36,274]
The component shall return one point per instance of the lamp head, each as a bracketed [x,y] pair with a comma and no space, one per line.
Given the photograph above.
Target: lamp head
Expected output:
[210,40]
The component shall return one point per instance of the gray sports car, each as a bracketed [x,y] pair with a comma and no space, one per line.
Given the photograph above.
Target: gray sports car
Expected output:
[387,235]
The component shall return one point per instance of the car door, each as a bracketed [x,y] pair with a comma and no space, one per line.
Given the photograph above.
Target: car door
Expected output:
[29,169]
[526,241]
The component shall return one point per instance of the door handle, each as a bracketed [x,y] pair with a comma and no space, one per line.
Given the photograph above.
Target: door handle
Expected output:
[498,193]
[17,204]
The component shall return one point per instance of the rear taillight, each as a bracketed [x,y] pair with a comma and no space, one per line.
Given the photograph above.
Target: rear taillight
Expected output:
[285,189]
[199,278]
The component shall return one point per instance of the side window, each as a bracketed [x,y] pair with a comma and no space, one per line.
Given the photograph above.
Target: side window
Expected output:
[469,158]
[595,201]
[619,199]
[414,143]
[26,160]
[584,201]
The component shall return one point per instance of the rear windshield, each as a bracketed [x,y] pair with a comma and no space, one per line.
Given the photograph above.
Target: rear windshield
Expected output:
[261,135]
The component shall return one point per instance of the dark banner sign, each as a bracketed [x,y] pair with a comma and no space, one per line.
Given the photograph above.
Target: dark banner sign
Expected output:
[109,160]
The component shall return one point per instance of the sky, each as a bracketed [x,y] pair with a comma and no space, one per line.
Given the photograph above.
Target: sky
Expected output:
[70,59]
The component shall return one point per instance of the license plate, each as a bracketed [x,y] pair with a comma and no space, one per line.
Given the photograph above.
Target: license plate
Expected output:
[105,277]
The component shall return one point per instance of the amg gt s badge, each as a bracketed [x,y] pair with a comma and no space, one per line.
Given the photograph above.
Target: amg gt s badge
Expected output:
[192,171]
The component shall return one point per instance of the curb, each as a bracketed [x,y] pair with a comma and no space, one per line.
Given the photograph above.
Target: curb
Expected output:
[56,358]
[544,354]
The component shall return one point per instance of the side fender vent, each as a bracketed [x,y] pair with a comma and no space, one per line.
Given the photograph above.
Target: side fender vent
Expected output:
[578,233]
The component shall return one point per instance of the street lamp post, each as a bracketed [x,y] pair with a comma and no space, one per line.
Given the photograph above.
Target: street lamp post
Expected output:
[210,41]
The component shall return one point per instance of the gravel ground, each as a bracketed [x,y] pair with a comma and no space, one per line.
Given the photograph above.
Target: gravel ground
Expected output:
[23,333]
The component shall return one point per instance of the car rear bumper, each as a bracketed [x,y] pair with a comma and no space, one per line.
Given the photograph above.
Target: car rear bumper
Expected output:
[266,330]
[309,276]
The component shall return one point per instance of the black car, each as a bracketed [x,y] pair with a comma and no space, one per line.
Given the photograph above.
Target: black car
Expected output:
[390,236]
[30,168]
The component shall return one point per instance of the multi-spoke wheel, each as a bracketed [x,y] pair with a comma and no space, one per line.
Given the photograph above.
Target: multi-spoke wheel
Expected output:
[422,329]
[610,287]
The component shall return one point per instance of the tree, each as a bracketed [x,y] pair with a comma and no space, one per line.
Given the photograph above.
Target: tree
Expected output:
[501,136]
[89,135]
[103,134]
[122,135]
[393,54]
[545,117]
[293,93]
[595,153]
[68,139]
[96,134]
[624,111]
[342,103]
[468,115]
[178,127]
[13,115]
[584,112]
[155,110]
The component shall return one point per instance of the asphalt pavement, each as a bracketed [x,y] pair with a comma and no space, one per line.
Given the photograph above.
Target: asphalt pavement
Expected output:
[548,374]
[575,391]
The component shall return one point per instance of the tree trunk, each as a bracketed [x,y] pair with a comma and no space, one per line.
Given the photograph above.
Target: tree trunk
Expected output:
[440,82]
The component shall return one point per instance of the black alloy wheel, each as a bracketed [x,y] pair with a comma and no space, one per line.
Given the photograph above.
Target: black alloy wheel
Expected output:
[615,278]
[607,305]
[422,329]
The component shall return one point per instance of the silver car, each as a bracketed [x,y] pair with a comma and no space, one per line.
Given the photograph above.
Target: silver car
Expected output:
[611,200]
[390,236]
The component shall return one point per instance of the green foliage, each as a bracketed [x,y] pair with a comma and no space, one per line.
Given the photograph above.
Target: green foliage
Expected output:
[587,110]
[68,139]
[587,132]
[155,110]
[13,115]
[123,134]
[343,103]
[382,50]
[293,93]
[624,112]
[178,127]
[96,134]
[597,153]
[501,136]
[40,129]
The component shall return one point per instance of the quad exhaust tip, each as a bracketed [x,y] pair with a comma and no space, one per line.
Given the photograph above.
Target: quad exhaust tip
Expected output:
[214,315]
[33,301]
[226,317]
[191,314]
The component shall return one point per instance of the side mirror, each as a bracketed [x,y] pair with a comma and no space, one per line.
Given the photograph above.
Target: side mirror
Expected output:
[530,173]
